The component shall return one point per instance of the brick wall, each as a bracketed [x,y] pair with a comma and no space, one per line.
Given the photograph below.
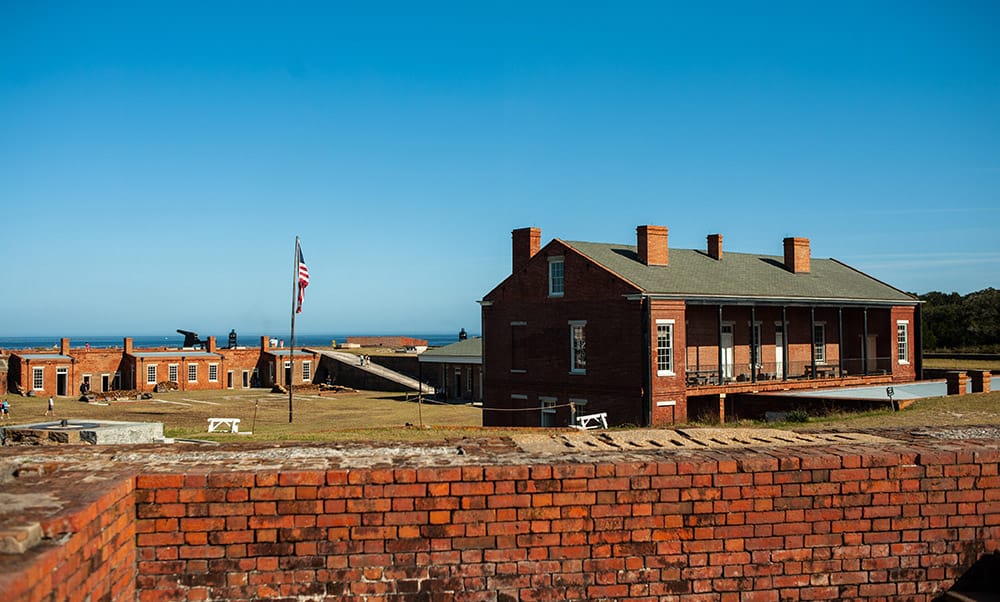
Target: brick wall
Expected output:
[89,552]
[817,524]
[901,521]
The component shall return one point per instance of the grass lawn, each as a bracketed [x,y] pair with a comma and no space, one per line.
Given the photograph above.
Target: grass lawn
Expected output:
[376,416]
[364,415]
[952,364]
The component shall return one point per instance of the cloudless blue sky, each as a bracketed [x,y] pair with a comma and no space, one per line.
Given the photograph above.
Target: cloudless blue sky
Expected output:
[158,159]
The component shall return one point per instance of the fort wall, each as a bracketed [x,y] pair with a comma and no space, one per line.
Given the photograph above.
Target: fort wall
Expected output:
[900,521]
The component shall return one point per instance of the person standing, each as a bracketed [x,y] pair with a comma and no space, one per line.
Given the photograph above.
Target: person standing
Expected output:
[5,410]
[52,408]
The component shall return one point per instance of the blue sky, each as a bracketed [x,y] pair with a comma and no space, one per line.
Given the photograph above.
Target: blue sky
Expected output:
[158,159]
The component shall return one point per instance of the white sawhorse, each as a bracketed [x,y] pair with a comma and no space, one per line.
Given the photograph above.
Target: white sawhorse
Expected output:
[214,424]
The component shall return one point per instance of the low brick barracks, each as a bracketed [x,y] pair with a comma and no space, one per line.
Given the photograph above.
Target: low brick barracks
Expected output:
[208,366]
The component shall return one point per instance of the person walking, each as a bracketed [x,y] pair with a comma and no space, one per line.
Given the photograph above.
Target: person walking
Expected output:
[52,408]
[5,410]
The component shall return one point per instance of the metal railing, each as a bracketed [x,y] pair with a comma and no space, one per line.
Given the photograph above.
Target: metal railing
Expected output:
[704,375]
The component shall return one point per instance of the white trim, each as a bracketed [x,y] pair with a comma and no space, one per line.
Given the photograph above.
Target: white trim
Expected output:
[671,323]
[189,366]
[577,402]
[454,359]
[906,343]
[151,370]
[561,260]
[36,370]
[665,404]
[216,379]
[176,370]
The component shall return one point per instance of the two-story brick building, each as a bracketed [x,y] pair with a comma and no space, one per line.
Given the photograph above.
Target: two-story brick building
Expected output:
[643,331]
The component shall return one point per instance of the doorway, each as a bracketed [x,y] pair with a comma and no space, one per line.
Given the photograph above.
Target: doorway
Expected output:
[726,344]
[779,350]
[62,382]
[871,349]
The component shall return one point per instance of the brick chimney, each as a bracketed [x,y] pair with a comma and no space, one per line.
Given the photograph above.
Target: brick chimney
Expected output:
[715,246]
[652,244]
[526,242]
[797,255]
[210,345]
[63,346]
[128,344]
[265,343]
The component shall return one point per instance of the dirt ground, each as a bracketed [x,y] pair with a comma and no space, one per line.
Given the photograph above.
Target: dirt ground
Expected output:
[376,416]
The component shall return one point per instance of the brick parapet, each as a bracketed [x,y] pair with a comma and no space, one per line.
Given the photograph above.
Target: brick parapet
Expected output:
[898,521]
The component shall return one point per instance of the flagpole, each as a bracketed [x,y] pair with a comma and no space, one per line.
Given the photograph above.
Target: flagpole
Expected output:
[291,357]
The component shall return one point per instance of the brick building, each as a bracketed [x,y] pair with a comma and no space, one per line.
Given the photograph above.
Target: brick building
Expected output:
[65,372]
[651,335]
[456,368]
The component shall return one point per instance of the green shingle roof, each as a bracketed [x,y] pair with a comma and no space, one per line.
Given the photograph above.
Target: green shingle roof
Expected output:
[692,274]
[472,347]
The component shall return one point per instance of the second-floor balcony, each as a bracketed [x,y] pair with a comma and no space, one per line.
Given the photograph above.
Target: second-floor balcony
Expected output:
[734,373]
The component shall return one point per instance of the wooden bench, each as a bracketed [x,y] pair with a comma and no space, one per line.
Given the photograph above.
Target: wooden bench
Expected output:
[214,424]
[592,421]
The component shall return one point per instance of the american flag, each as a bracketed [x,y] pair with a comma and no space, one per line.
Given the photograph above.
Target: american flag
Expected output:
[303,280]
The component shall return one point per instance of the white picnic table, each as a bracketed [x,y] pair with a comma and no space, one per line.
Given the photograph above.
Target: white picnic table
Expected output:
[233,424]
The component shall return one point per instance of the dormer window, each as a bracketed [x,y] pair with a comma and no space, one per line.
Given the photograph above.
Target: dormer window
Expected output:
[556,276]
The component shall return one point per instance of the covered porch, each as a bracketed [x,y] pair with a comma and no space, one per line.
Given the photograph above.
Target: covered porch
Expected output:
[765,346]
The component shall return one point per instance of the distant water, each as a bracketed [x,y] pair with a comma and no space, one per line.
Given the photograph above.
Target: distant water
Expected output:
[222,339]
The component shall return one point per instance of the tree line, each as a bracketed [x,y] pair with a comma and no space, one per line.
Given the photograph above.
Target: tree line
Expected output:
[953,322]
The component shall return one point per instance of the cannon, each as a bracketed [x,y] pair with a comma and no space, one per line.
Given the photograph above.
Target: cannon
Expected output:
[190,338]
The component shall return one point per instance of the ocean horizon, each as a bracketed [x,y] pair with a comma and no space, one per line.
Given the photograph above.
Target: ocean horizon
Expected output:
[222,339]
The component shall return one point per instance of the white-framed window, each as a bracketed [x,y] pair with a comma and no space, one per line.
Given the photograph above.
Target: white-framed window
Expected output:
[192,373]
[172,372]
[213,373]
[578,346]
[548,410]
[38,379]
[902,341]
[819,336]
[664,347]
[151,374]
[556,276]
[306,371]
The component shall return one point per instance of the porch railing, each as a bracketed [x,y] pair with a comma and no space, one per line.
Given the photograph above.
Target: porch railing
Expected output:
[705,375]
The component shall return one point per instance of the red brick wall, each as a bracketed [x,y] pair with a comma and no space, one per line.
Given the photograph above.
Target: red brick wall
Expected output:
[91,554]
[831,523]
[614,380]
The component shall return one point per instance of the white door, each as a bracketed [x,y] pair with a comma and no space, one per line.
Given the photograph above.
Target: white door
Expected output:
[779,350]
[727,351]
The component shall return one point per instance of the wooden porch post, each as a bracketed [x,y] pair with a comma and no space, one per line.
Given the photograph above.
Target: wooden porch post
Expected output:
[722,408]
[812,339]
[784,343]
[753,344]
[719,344]
[864,342]
[840,341]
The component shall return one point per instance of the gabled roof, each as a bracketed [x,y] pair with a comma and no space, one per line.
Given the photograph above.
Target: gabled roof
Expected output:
[691,274]
[469,351]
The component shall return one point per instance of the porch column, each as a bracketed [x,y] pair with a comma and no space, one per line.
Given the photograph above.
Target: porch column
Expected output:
[840,341]
[812,339]
[784,343]
[864,341]
[720,346]
[753,344]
